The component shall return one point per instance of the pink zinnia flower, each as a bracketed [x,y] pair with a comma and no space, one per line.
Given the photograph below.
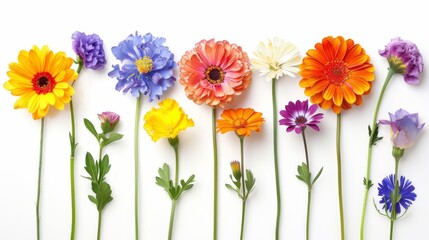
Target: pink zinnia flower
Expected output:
[214,72]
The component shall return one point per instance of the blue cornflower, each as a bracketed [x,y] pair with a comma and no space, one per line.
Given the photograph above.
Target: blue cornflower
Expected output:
[147,66]
[406,193]
[90,49]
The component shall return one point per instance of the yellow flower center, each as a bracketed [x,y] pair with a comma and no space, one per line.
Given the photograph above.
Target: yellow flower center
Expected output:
[239,123]
[215,75]
[336,72]
[43,83]
[144,65]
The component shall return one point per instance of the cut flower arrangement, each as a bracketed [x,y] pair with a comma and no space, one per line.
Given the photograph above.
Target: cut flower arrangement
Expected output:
[336,75]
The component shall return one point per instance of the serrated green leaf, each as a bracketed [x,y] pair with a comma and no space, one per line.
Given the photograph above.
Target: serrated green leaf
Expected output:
[91,128]
[112,138]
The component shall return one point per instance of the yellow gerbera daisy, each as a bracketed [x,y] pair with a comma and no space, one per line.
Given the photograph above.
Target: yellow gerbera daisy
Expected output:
[41,78]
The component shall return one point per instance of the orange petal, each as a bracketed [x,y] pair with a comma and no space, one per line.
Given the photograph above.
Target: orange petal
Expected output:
[338,96]
[349,95]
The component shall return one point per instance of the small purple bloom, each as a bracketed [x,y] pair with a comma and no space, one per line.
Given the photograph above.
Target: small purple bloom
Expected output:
[404,128]
[147,66]
[406,193]
[404,57]
[108,121]
[90,49]
[297,116]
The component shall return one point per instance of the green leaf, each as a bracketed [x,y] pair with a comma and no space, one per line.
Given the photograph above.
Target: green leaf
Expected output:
[317,176]
[112,138]
[92,199]
[230,187]
[367,182]
[374,138]
[91,167]
[164,180]
[104,166]
[250,181]
[91,128]
[103,195]
[304,174]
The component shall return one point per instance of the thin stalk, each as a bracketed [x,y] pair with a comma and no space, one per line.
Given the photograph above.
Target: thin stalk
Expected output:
[243,186]
[72,186]
[276,165]
[39,177]
[215,173]
[395,198]
[99,225]
[368,164]
[72,155]
[339,175]
[136,166]
[173,202]
[307,227]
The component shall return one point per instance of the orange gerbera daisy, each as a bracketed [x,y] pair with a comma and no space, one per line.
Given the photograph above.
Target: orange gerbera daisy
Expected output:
[213,72]
[41,79]
[242,120]
[336,74]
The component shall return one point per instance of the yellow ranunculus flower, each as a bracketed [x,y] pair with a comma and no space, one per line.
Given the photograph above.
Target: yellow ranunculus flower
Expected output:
[167,121]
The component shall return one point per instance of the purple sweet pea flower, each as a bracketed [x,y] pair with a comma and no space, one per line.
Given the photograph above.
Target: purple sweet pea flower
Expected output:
[404,128]
[90,49]
[108,121]
[404,57]
[297,116]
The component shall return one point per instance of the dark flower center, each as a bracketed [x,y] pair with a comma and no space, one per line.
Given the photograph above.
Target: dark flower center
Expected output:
[43,83]
[301,120]
[336,72]
[215,75]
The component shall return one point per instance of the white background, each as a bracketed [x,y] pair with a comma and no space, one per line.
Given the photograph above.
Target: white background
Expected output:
[183,23]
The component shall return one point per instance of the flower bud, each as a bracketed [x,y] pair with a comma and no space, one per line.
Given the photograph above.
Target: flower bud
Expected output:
[236,170]
[108,121]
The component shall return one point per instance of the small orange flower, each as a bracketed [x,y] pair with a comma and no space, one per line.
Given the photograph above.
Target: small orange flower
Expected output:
[242,120]
[336,74]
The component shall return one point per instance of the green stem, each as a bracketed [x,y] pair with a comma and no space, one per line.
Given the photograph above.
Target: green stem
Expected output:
[368,164]
[170,228]
[39,177]
[309,185]
[340,187]
[173,203]
[72,155]
[307,235]
[136,166]
[215,187]
[276,165]
[243,212]
[243,186]
[72,186]
[395,197]
[99,225]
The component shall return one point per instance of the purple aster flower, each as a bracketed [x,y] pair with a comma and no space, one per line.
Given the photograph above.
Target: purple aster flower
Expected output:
[406,193]
[90,49]
[404,57]
[108,121]
[147,66]
[404,128]
[297,116]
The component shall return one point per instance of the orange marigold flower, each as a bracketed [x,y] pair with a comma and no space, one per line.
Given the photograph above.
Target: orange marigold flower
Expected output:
[336,74]
[214,72]
[242,120]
